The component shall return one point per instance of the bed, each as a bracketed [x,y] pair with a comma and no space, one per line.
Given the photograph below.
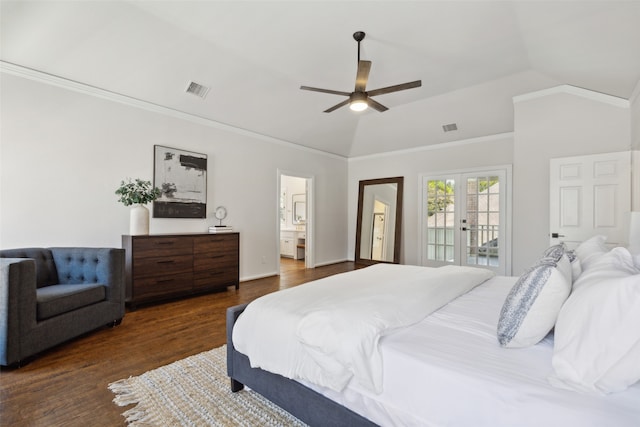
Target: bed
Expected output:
[449,369]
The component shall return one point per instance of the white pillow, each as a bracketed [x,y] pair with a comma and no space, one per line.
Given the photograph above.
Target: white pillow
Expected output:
[576,268]
[590,250]
[531,308]
[597,337]
[618,262]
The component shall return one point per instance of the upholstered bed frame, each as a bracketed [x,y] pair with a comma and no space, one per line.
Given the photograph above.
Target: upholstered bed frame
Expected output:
[300,401]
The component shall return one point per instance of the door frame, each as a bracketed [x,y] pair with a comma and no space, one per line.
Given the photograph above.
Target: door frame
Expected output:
[309,259]
[459,173]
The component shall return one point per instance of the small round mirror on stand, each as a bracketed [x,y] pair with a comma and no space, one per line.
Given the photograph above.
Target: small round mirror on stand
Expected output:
[220,214]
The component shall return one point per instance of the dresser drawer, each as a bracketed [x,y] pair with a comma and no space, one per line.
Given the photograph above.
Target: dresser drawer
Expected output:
[219,243]
[161,266]
[162,246]
[216,278]
[203,262]
[162,286]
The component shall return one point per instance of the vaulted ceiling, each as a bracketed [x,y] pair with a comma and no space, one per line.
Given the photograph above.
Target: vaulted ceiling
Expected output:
[472,58]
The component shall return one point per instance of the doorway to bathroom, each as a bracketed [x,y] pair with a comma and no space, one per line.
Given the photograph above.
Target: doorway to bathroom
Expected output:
[295,222]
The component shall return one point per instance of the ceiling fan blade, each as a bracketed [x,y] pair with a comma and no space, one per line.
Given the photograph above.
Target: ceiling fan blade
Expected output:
[395,88]
[333,92]
[376,105]
[363,75]
[335,107]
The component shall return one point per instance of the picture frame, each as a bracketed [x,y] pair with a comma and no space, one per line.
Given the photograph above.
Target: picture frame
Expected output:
[181,176]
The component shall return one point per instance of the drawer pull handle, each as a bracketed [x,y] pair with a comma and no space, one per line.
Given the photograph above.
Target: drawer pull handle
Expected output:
[217,273]
[164,243]
[170,261]
[165,281]
[218,256]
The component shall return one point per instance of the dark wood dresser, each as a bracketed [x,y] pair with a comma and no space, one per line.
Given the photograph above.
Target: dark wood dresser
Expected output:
[163,266]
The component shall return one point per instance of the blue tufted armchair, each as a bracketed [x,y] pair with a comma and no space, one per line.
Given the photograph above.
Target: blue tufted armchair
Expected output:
[50,295]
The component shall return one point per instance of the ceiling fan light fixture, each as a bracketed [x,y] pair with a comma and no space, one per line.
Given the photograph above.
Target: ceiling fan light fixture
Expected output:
[359,105]
[361,98]
[358,102]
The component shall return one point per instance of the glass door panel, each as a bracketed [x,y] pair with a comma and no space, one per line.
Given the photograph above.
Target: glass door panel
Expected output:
[482,222]
[464,220]
[441,220]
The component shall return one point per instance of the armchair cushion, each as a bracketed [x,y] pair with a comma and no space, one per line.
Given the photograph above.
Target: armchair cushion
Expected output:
[46,272]
[81,265]
[55,300]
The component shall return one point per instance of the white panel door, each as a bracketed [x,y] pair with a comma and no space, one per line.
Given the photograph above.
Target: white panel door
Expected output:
[590,195]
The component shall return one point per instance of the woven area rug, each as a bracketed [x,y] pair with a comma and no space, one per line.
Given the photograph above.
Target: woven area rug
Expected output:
[195,392]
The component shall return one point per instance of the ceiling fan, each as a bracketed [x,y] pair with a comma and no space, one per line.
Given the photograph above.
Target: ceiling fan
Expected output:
[360,98]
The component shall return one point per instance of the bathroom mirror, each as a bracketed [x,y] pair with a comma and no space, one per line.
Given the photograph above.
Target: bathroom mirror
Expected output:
[299,202]
[379,221]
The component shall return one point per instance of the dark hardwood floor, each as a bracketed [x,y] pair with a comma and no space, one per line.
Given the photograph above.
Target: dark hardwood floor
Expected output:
[67,385]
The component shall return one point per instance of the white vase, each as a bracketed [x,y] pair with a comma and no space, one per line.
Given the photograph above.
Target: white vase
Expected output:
[139,220]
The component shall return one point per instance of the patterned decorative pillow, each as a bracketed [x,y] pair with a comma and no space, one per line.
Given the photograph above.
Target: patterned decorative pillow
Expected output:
[532,306]
[555,252]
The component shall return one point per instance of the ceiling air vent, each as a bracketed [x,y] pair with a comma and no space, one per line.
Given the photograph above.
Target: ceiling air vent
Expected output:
[197,89]
[450,127]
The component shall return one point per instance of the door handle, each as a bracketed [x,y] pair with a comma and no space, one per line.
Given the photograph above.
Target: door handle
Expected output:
[556,235]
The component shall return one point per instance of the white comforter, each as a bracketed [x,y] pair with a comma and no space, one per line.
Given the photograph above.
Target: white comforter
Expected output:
[327,331]
[449,370]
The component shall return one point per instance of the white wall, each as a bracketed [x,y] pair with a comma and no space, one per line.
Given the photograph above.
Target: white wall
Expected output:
[480,152]
[562,122]
[63,154]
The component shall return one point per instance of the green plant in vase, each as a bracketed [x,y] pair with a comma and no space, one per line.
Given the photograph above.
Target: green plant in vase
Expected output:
[138,193]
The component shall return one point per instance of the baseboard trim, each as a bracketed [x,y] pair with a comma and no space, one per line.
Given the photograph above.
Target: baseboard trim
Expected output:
[258,276]
[322,264]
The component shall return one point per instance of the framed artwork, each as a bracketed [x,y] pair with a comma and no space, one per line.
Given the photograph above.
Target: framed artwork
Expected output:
[181,176]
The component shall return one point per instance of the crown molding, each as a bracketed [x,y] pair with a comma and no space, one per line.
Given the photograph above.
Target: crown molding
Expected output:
[50,79]
[577,91]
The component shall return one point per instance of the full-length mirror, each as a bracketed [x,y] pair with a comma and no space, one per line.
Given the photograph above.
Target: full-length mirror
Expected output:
[379,221]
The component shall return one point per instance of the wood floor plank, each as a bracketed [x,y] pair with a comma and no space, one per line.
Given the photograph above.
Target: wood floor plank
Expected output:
[67,385]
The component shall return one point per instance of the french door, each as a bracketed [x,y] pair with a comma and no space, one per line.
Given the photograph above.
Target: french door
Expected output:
[465,221]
